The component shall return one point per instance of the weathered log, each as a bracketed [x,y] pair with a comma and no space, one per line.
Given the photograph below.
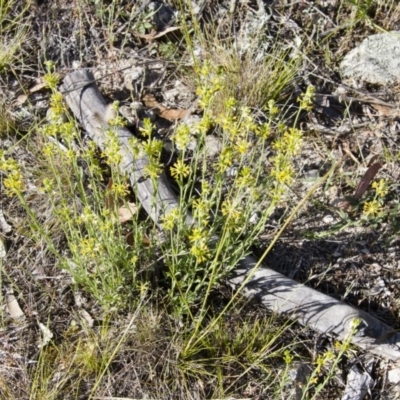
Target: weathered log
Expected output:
[275,291]
[89,106]
[314,309]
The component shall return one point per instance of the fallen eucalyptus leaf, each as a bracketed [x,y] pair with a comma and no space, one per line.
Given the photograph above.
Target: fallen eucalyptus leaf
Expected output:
[162,111]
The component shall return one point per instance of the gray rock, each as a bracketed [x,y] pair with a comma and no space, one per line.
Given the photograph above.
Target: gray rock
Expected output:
[375,60]
[358,384]
[131,76]
[213,146]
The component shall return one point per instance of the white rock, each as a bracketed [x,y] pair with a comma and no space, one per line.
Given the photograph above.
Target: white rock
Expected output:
[132,75]
[328,219]
[232,171]
[254,218]
[375,60]
[394,376]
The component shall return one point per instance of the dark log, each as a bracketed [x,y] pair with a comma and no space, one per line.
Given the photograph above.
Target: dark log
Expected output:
[275,291]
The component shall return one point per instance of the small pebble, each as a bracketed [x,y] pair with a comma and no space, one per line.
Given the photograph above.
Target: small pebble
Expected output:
[328,219]
[254,218]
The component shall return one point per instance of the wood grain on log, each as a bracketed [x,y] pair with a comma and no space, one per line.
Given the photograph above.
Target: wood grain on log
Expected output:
[275,291]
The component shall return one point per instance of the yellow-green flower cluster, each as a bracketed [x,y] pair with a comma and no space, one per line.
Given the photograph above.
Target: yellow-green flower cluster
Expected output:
[13,181]
[95,223]
[236,123]
[233,214]
[246,178]
[226,158]
[381,187]
[112,149]
[51,78]
[89,153]
[201,210]
[288,357]
[170,220]
[205,124]
[135,146]
[117,120]
[287,146]
[375,206]
[57,107]
[210,82]
[64,212]
[180,170]
[153,170]
[242,146]
[88,216]
[89,248]
[306,99]
[322,360]
[58,124]
[201,207]
[289,143]
[152,147]
[181,137]
[147,128]
[272,109]
[372,208]
[119,189]
[48,185]
[200,250]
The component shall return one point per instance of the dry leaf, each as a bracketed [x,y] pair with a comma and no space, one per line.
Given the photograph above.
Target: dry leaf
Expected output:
[87,317]
[47,335]
[109,200]
[154,35]
[347,203]
[162,111]
[41,84]
[366,180]
[126,209]
[130,240]
[13,307]
[21,99]
[126,212]
[385,111]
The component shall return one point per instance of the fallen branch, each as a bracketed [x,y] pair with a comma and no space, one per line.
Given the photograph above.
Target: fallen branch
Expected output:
[275,291]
